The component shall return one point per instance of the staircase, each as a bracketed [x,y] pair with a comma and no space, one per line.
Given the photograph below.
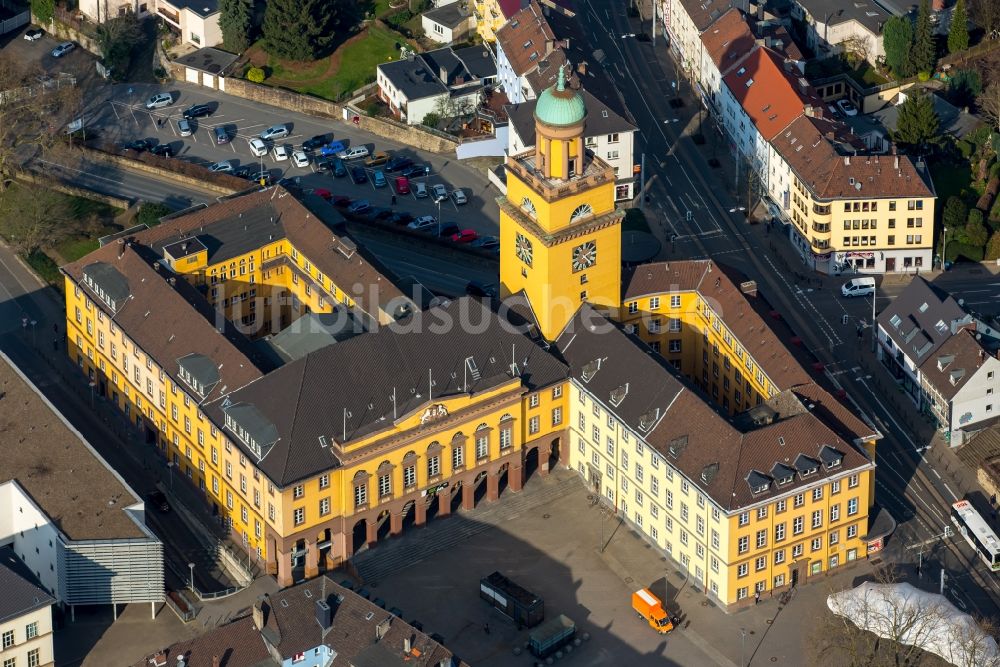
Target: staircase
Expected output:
[418,544]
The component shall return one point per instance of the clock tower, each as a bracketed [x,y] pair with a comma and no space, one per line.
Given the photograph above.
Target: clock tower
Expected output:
[560,235]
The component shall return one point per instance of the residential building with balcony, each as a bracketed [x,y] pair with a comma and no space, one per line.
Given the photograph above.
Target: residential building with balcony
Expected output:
[872,214]
[25,615]
[196,21]
[685,21]
[99,11]
[839,26]
[523,44]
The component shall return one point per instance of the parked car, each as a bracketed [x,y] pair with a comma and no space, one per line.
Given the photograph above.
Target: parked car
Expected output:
[316,142]
[197,111]
[221,135]
[402,185]
[354,153]
[261,175]
[416,171]
[184,127]
[377,159]
[341,200]
[396,611]
[486,242]
[359,206]
[438,191]
[225,167]
[63,49]
[339,170]
[847,107]
[398,164]
[140,145]
[163,150]
[332,149]
[448,229]
[258,147]
[34,34]
[359,175]
[419,190]
[400,218]
[378,179]
[300,159]
[243,172]
[280,153]
[465,236]
[459,197]
[423,223]
[159,100]
[384,213]
[324,193]
[275,132]
[159,501]
[379,602]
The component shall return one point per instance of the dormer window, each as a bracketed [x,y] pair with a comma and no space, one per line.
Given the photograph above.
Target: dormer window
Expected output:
[677,445]
[895,321]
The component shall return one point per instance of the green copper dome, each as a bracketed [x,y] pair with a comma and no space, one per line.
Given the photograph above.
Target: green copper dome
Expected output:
[560,106]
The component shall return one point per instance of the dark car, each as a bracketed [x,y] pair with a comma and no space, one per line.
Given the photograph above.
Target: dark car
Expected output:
[316,142]
[159,501]
[417,625]
[448,229]
[379,602]
[365,593]
[359,175]
[398,163]
[261,176]
[436,637]
[163,150]
[416,171]
[341,200]
[140,145]
[396,611]
[197,111]
[384,214]
[242,172]
[348,584]
[400,218]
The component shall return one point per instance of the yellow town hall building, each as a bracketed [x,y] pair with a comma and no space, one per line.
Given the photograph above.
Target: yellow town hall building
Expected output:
[319,408]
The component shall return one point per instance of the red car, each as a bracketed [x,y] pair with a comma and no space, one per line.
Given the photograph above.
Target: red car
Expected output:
[324,193]
[465,236]
[402,185]
[341,200]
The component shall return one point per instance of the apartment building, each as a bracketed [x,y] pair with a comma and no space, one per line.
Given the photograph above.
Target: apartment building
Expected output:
[864,213]
[25,615]
[522,44]
[840,26]
[685,21]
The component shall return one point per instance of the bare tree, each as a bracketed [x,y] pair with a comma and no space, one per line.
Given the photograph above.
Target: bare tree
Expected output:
[989,104]
[33,111]
[32,216]
[857,48]
[986,14]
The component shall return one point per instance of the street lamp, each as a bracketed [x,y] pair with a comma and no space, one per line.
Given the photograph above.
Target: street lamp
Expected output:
[944,251]
[743,647]
[92,385]
[438,202]
[191,568]
[170,472]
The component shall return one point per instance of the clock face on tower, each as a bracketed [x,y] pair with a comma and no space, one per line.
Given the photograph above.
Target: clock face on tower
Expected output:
[523,248]
[584,255]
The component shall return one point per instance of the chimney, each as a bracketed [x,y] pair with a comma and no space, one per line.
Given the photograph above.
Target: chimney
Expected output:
[407,644]
[760,41]
[444,74]
[258,611]
[121,248]
[323,615]
[581,68]
[803,85]
[847,160]
[895,162]
[809,111]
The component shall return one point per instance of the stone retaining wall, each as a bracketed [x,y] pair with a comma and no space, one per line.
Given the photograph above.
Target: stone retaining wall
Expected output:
[138,165]
[58,186]
[63,32]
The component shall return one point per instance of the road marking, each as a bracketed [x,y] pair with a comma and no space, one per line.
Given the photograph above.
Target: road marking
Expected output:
[948,489]
[936,474]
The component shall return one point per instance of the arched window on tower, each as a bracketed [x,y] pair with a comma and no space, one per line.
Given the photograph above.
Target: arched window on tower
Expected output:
[581,211]
[528,207]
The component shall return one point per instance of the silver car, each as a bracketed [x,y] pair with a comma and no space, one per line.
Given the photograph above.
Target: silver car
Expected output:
[160,100]
[63,49]
[274,132]
[225,167]
[184,127]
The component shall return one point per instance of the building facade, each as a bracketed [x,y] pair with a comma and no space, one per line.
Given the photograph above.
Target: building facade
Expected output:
[25,615]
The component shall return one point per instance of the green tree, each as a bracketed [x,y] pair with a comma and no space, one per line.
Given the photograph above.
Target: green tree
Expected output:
[958,33]
[918,122]
[300,29]
[975,232]
[897,38]
[44,10]
[964,87]
[117,38]
[955,214]
[149,214]
[236,23]
[256,75]
[993,247]
[923,55]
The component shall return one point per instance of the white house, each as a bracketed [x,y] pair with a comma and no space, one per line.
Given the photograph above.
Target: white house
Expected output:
[427,82]
[960,383]
[447,23]
[685,21]
[197,21]
[834,26]
[724,44]
[25,615]
[522,45]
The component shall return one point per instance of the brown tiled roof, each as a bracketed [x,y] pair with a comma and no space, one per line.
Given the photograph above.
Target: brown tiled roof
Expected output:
[961,352]
[704,12]
[834,414]
[806,146]
[727,40]
[712,283]
[237,644]
[771,96]
[778,38]
[169,321]
[526,38]
[291,219]
[716,452]
[290,626]
[56,468]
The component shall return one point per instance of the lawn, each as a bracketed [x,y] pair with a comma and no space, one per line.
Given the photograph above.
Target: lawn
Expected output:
[950,180]
[73,249]
[350,67]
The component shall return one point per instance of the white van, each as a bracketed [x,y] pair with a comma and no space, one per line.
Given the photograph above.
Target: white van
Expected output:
[858,287]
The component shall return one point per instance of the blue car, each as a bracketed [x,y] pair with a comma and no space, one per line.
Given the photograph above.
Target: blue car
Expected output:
[359,175]
[378,179]
[332,148]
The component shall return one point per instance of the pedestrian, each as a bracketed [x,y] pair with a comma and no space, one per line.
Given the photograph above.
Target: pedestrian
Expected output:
[159,122]
[756,598]
[394,200]
[486,628]
[55,327]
